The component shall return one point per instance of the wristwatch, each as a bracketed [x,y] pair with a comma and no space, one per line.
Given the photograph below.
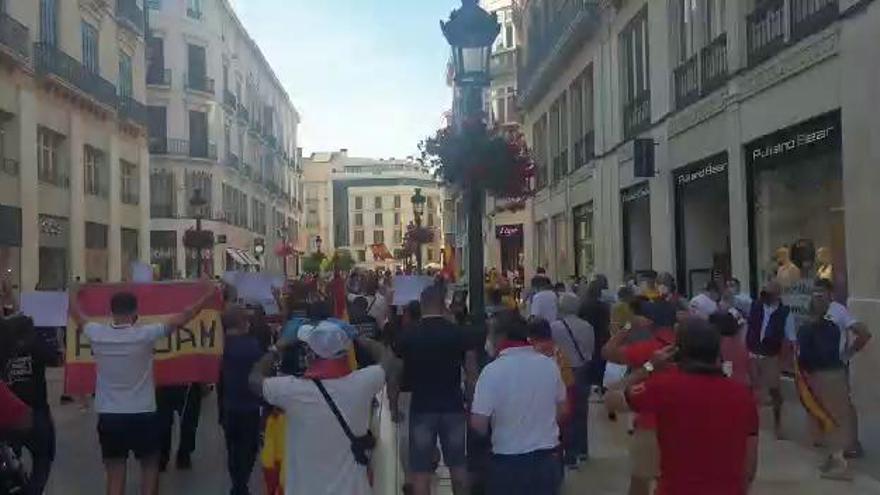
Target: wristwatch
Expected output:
[648,367]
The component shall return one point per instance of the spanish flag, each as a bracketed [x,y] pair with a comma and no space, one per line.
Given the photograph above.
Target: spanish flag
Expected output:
[811,402]
[272,455]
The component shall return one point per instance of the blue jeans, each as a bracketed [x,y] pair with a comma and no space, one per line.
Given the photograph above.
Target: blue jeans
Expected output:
[576,438]
[535,473]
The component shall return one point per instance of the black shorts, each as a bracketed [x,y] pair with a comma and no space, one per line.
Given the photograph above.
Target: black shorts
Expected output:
[120,434]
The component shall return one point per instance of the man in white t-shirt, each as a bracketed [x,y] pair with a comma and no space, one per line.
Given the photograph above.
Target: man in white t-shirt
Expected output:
[544,303]
[125,397]
[521,394]
[320,459]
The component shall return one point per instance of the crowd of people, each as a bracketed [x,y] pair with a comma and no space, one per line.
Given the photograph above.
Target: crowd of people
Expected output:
[503,403]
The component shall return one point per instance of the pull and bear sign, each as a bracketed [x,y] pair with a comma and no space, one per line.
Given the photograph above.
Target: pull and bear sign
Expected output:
[190,354]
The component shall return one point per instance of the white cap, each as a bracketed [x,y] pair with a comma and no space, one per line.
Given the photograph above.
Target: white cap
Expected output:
[327,340]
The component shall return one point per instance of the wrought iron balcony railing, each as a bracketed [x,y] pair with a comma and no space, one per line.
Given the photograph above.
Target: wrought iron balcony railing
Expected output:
[229,99]
[713,59]
[765,31]
[14,36]
[132,110]
[50,61]
[199,83]
[158,76]
[130,15]
[637,114]
[687,82]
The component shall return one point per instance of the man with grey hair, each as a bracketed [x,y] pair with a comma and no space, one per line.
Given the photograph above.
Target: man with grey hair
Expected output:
[575,337]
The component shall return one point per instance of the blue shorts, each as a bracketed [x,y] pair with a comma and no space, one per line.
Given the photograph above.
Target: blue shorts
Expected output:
[425,429]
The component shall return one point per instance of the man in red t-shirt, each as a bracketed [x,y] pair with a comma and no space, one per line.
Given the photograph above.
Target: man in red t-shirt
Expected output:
[707,424]
[14,414]
[634,346]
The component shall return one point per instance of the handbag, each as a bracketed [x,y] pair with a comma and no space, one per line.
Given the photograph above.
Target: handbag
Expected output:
[361,447]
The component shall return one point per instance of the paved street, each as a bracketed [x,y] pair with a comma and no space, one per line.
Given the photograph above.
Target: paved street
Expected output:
[786,467]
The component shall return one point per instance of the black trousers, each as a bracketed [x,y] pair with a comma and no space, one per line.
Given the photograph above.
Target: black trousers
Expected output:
[186,401]
[242,430]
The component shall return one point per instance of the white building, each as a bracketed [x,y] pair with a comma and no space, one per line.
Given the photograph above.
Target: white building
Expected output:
[761,117]
[73,149]
[364,205]
[221,124]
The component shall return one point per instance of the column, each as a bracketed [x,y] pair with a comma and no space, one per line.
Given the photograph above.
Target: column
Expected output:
[144,248]
[181,203]
[77,199]
[28,187]
[662,210]
[114,234]
[737,179]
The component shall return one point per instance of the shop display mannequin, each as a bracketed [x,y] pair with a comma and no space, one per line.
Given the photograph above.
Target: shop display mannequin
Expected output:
[824,268]
[787,273]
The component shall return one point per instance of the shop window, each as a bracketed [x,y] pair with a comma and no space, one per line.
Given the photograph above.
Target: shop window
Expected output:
[541,237]
[636,219]
[584,254]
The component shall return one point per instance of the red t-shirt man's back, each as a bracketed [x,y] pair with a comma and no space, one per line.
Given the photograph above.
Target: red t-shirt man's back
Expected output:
[703,424]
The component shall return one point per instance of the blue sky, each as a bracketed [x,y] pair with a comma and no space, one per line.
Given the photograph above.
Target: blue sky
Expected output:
[367,75]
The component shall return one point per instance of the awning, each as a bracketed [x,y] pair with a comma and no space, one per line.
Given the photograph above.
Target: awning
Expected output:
[236,256]
[250,259]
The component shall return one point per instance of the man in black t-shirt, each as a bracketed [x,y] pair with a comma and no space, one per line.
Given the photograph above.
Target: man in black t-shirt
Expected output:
[434,353]
[366,326]
[23,368]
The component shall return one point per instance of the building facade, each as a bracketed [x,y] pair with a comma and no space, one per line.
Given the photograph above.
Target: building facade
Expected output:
[74,167]
[735,138]
[364,205]
[221,128]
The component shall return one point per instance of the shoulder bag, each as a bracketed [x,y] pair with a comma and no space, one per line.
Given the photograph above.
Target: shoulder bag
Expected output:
[361,447]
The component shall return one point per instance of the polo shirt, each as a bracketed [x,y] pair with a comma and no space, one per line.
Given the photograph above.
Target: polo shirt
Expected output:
[520,391]
[545,305]
[637,354]
[124,359]
[703,425]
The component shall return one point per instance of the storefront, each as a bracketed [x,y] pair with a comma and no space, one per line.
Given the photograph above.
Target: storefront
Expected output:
[584,255]
[163,254]
[130,250]
[10,247]
[635,206]
[510,242]
[795,188]
[702,223]
[96,252]
[54,252]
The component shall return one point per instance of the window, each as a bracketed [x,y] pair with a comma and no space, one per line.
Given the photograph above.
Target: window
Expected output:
[636,88]
[125,79]
[259,221]
[584,262]
[197,77]
[430,219]
[358,203]
[539,135]
[398,236]
[157,124]
[378,237]
[96,172]
[130,190]
[581,102]
[198,134]
[430,203]
[194,9]
[162,195]
[48,22]
[200,181]
[378,220]
[688,29]
[49,166]
[542,257]
[396,218]
[430,252]
[90,48]
[397,202]
[559,139]
[358,237]
[377,202]
[358,219]
[361,255]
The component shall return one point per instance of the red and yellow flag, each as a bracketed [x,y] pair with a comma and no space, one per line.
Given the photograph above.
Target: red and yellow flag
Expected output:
[190,354]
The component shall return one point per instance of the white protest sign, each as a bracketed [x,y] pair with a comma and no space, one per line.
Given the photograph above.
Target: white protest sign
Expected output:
[256,288]
[46,308]
[409,288]
[141,272]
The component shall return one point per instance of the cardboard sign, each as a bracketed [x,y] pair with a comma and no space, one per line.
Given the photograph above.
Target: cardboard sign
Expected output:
[190,354]
[46,308]
[409,288]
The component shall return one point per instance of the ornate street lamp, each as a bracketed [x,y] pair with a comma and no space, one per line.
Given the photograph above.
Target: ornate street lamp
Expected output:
[197,202]
[318,242]
[418,204]
[471,31]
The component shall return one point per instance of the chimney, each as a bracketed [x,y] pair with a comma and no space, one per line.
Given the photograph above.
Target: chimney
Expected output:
[343,151]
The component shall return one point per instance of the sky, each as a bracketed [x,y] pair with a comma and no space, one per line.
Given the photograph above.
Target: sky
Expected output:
[366,75]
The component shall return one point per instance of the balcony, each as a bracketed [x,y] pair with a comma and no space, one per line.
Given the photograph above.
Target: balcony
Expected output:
[163,210]
[809,16]
[194,14]
[232,161]
[54,177]
[158,76]
[765,28]
[229,99]
[14,37]
[713,58]
[201,84]
[9,166]
[548,46]
[50,61]
[560,167]
[637,114]
[182,147]
[584,149]
[132,110]
[503,63]
[128,14]
[243,113]
[687,82]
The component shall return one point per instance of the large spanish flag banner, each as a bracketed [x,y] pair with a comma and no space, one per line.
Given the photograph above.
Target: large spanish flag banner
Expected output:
[190,354]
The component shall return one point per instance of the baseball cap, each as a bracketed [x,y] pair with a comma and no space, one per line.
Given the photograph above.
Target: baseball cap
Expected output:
[326,339]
